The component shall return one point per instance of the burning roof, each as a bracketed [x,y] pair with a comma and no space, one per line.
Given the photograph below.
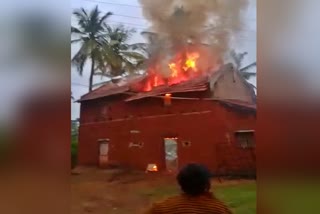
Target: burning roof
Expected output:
[135,88]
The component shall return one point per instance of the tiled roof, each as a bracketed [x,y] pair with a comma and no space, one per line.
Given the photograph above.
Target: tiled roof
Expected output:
[111,88]
[198,84]
[104,91]
[132,85]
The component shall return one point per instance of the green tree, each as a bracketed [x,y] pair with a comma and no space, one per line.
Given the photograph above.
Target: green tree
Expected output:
[119,57]
[90,33]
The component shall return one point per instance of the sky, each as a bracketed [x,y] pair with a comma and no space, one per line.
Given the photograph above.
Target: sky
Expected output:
[129,13]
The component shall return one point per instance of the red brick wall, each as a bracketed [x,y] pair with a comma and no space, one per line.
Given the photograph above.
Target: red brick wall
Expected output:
[206,131]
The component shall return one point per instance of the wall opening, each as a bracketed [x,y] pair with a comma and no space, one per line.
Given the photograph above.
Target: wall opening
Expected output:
[103,152]
[171,155]
[245,138]
[186,143]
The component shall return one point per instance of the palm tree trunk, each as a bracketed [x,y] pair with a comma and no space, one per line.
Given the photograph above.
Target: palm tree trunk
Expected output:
[91,74]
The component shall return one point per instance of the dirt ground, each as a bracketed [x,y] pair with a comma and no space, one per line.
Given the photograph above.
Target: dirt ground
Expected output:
[121,191]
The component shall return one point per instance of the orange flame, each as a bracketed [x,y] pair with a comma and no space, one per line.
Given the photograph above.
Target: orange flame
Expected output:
[191,61]
[173,68]
[156,81]
[152,168]
[182,67]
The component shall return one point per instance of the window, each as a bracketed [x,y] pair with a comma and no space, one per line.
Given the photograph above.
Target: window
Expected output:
[104,111]
[101,114]
[245,138]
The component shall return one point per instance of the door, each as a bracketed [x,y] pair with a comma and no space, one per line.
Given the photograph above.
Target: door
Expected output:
[103,153]
[171,155]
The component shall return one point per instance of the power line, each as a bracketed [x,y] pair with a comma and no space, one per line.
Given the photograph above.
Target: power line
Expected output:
[135,6]
[78,84]
[140,28]
[134,17]
[127,23]
[124,5]
[143,27]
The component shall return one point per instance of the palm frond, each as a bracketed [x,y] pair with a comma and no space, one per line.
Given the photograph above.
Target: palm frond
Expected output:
[76,40]
[94,26]
[133,55]
[247,75]
[148,33]
[139,46]
[237,58]
[80,14]
[104,17]
[253,86]
[76,30]
[84,12]
[82,17]
[94,14]
[80,58]
[100,83]
[248,67]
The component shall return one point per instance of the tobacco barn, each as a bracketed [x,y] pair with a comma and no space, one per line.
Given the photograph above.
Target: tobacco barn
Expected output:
[208,119]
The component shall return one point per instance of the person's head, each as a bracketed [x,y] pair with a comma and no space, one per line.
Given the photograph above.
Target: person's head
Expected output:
[194,179]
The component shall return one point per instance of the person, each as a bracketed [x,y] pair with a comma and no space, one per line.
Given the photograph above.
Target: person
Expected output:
[194,181]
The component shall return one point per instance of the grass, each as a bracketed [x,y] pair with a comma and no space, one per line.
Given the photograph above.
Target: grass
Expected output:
[241,198]
[74,150]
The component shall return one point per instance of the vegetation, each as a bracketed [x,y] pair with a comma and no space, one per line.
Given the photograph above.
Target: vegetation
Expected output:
[120,57]
[237,60]
[105,46]
[74,151]
[90,33]
[74,142]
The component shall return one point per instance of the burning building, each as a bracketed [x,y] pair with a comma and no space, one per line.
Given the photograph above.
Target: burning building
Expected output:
[188,107]
[207,119]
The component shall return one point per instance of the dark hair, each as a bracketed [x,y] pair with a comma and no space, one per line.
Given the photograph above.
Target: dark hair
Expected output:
[194,179]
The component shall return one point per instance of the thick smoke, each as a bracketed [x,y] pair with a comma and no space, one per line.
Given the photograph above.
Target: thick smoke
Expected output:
[179,22]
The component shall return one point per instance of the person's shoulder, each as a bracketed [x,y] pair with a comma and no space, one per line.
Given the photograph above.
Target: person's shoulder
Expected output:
[167,203]
[163,206]
[170,200]
[220,206]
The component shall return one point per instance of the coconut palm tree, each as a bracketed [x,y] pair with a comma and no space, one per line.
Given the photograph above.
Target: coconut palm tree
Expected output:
[247,74]
[90,34]
[118,57]
[238,59]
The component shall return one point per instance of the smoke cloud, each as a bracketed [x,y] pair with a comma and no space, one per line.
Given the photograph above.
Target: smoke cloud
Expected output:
[179,22]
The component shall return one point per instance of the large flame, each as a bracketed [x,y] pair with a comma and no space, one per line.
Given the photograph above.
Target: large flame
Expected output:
[182,67]
[173,68]
[191,61]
